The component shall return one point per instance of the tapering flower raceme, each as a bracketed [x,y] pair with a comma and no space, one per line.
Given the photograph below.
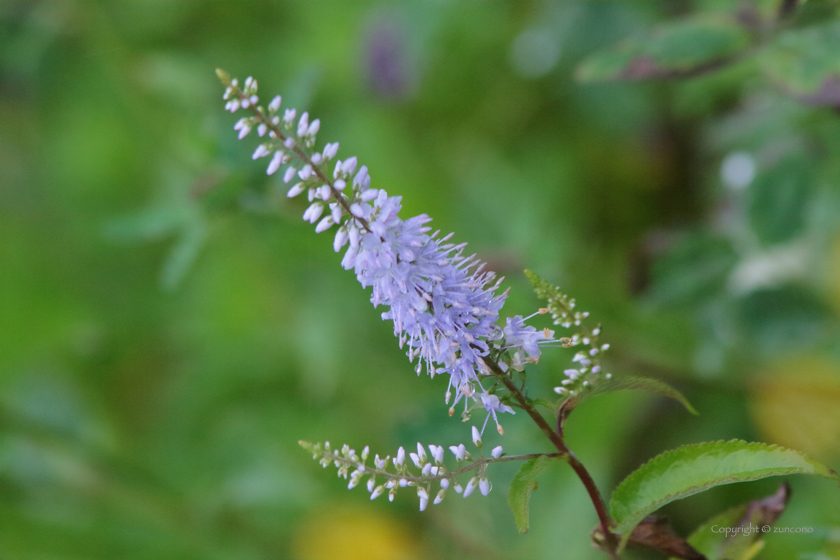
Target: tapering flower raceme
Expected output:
[389,474]
[443,304]
[588,361]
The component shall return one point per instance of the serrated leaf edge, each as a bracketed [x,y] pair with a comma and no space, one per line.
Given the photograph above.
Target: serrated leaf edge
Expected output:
[715,482]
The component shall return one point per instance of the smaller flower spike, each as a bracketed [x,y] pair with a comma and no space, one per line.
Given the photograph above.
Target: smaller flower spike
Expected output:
[391,474]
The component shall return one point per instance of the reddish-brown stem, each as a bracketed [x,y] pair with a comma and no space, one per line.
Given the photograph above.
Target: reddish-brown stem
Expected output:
[557,440]
[538,418]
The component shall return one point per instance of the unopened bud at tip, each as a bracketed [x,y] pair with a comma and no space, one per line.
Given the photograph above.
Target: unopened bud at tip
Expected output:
[223,76]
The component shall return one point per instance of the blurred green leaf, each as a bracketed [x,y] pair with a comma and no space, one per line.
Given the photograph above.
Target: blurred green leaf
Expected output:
[707,541]
[694,268]
[680,48]
[147,225]
[184,219]
[784,319]
[805,63]
[521,487]
[717,545]
[778,199]
[183,253]
[695,468]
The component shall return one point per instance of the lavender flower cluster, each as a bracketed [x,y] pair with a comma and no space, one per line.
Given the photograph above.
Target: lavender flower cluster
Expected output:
[444,306]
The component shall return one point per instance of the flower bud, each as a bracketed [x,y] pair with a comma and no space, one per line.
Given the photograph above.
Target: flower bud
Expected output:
[313,128]
[437,453]
[296,190]
[306,172]
[274,165]
[330,150]
[303,124]
[440,495]
[476,437]
[313,212]
[340,239]
[349,165]
[471,485]
[261,151]
[459,451]
[324,224]
[424,498]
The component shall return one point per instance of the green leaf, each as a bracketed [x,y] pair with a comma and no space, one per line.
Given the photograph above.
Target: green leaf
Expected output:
[692,469]
[147,225]
[783,319]
[681,48]
[694,269]
[521,487]
[183,254]
[805,64]
[707,541]
[633,383]
[715,544]
[778,199]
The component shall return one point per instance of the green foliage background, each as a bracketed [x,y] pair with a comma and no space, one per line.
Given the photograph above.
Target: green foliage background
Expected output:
[169,328]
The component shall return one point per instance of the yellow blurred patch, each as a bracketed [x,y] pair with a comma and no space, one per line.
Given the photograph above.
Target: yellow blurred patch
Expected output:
[797,404]
[833,271]
[354,534]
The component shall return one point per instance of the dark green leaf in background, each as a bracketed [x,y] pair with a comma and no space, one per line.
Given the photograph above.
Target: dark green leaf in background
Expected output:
[681,48]
[778,199]
[716,544]
[786,319]
[805,63]
[695,267]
